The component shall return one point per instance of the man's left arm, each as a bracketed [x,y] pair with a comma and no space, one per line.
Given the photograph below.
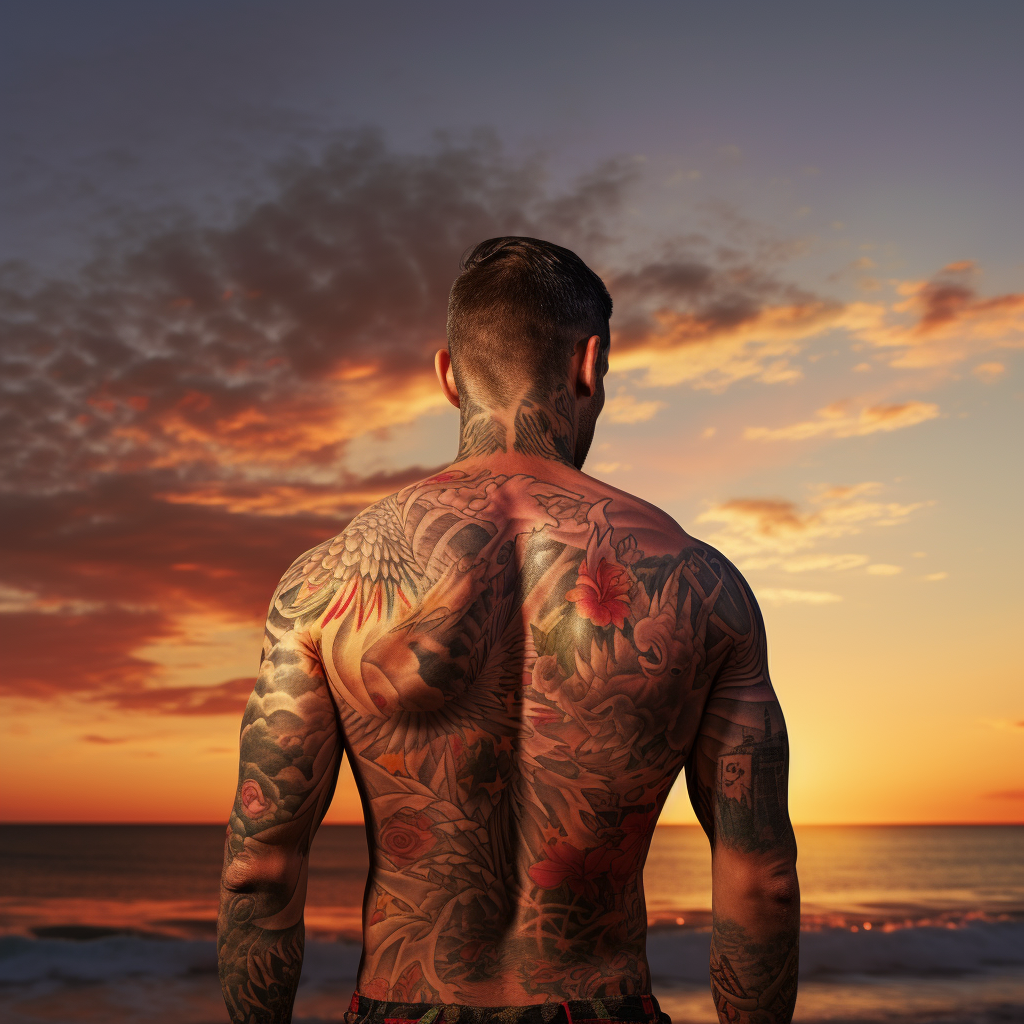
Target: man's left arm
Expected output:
[290,753]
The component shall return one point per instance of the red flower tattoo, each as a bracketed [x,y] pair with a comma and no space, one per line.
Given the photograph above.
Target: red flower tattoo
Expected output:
[406,836]
[600,595]
[584,870]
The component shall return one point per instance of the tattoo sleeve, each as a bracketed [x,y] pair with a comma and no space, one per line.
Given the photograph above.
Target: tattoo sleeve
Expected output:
[290,752]
[738,777]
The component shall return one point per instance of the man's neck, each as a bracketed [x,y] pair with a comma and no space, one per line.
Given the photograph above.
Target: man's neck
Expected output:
[530,426]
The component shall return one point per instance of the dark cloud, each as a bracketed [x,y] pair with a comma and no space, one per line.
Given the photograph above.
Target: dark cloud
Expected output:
[112,566]
[92,654]
[716,289]
[119,546]
[195,345]
[951,296]
[174,418]
[227,698]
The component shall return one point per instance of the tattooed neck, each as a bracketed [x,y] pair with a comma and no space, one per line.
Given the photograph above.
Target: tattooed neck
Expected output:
[541,426]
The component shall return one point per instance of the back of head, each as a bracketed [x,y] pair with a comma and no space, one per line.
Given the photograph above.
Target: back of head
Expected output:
[515,314]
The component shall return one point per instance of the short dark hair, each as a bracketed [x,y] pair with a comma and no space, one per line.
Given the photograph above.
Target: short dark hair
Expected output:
[517,311]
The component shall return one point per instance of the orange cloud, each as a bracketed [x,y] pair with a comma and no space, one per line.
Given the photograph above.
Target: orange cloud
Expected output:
[765,532]
[835,421]
[626,409]
[940,322]
[989,372]
[710,324]
[279,499]
[309,320]
[227,698]
[682,349]
[97,579]
[712,321]
[773,595]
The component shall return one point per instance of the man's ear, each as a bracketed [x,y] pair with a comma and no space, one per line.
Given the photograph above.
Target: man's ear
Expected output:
[588,376]
[445,377]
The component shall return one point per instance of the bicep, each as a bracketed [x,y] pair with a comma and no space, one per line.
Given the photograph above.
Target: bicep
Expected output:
[289,753]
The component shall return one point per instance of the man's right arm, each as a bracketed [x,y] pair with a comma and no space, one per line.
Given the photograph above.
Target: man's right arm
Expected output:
[738,776]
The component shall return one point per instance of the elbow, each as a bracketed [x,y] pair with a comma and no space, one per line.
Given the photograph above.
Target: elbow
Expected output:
[768,880]
[777,887]
[258,868]
[782,889]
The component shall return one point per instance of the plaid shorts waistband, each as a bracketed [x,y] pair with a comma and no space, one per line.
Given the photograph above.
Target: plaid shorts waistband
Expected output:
[642,1009]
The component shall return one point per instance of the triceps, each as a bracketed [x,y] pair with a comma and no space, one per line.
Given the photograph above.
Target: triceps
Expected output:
[290,753]
[746,793]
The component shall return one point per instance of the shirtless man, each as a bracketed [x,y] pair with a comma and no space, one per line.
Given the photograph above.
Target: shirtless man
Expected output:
[518,661]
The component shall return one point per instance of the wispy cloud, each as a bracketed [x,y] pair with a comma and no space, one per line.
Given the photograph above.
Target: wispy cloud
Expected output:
[712,321]
[717,320]
[836,420]
[818,563]
[227,698]
[626,409]
[989,372]
[773,595]
[766,532]
[940,322]
[268,498]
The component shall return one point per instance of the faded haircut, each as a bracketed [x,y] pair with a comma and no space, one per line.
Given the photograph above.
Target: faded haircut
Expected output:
[516,313]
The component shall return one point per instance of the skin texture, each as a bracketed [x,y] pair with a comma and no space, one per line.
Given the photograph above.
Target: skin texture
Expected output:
[518,660]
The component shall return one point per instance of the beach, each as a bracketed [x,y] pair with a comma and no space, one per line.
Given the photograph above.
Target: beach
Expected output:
[900,923]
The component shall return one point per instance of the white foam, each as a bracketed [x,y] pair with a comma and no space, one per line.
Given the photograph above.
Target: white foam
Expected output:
[682,957]
[116,956]
[676,957]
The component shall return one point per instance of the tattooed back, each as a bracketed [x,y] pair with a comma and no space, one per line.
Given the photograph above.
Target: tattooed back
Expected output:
[519,667]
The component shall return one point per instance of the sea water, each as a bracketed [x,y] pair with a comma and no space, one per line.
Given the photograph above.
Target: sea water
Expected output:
[902,923]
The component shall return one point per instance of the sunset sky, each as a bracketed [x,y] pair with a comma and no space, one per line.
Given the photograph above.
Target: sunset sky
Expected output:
[229,234]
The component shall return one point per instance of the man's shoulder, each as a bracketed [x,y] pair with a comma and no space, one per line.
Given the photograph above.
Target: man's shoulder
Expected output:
[373,547]
[629,512]
[660,537]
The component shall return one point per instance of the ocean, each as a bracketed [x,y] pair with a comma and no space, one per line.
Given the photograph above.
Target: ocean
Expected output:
[112,923]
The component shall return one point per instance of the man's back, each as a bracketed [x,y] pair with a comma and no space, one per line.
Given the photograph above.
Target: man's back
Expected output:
[520,663]
[518,660]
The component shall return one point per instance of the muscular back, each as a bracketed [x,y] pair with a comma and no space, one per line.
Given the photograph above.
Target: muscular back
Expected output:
[518,667]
